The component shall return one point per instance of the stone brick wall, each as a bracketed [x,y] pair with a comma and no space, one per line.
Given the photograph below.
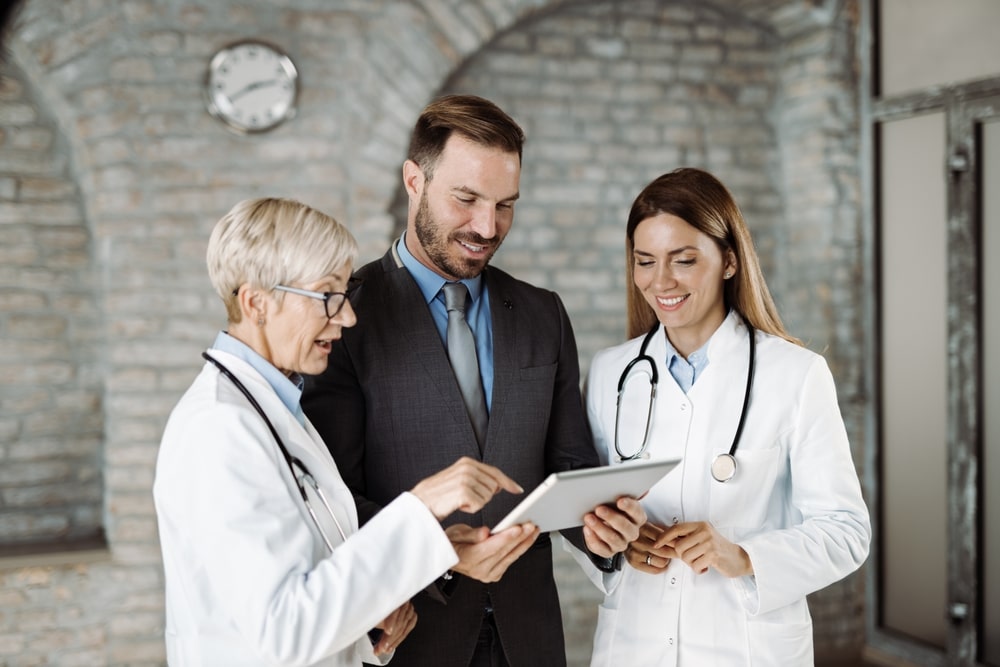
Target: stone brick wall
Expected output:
[112,175]
[50,401]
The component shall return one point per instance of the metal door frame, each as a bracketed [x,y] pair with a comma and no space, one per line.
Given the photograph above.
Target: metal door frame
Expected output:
[965,107]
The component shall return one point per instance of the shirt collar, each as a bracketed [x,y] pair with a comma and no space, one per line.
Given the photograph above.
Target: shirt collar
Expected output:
[698,359]
[428,281]
[288,388]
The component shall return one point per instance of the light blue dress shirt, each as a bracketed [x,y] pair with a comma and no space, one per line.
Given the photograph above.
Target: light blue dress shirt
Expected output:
[477,314]
[288,389]
[686,371]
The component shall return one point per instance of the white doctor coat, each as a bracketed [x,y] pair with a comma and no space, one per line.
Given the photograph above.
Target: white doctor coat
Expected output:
[795,505]
[249,580]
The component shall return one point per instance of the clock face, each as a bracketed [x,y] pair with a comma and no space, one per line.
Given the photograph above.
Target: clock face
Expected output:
[251,86]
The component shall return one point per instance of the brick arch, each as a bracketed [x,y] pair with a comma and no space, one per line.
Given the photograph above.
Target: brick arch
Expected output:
[51,421]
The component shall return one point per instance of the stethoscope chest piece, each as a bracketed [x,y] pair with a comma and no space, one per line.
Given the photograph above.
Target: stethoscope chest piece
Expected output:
[724,467]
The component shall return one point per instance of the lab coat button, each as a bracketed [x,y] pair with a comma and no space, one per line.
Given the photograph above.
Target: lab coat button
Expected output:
[684,406]
[673,581]
[670,641]
[676,520]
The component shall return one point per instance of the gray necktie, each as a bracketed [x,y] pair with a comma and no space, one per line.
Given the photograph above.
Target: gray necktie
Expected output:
[462,353]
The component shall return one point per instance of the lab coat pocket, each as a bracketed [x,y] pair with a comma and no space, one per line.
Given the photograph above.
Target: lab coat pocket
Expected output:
[743,501]
[604,638]
[780,644]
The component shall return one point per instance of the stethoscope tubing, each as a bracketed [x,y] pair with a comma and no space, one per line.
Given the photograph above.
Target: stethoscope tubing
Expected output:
[291,461]
[724,467]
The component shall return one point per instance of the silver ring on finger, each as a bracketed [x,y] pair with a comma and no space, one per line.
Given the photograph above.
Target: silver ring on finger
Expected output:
[649,559]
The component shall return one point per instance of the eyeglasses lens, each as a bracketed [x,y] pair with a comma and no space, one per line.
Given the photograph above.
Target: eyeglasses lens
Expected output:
[334,303]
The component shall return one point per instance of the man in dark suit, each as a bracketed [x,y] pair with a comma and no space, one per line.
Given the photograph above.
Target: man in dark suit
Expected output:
[390,409]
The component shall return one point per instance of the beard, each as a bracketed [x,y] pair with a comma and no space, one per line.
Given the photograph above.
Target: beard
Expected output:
[438,245]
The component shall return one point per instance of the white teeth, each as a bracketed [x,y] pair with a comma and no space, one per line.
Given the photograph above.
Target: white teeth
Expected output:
[474,248]
[670,302]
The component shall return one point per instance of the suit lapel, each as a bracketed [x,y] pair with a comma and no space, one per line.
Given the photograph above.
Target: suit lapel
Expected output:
[408,312]
[503,318]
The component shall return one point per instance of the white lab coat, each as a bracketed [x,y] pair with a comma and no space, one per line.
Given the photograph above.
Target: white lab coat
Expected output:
[795,505]
[249,580]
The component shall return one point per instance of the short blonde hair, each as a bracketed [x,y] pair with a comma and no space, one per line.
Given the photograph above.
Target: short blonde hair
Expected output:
[270,241]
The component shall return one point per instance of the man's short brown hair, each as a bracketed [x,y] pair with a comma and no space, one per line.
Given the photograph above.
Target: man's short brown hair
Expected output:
[474,118]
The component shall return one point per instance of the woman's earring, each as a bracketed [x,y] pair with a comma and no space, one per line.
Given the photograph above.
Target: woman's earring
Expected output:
[729,274]
[260,321]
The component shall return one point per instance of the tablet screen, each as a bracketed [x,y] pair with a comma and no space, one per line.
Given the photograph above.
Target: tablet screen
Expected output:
[564,497]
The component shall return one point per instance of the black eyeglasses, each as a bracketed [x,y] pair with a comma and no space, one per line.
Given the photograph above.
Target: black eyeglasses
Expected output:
[333,302]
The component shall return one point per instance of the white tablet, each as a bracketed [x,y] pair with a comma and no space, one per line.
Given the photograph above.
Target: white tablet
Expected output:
[564,497]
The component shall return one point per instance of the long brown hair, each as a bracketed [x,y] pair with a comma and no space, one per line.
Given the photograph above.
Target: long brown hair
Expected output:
[701,200]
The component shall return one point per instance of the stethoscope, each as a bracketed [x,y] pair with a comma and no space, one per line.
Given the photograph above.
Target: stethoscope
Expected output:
[724,465]
[293,462]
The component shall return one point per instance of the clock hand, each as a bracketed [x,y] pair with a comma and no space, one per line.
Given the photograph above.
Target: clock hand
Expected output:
[252,87]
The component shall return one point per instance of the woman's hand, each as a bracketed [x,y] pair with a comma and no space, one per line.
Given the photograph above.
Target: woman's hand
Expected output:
[465,485]
[701,546]
[645,554]
[395,628]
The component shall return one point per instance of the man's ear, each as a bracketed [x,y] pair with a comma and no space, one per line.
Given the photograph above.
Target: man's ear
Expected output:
[413,179]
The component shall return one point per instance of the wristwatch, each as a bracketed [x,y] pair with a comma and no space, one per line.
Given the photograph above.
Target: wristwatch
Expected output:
[613,564]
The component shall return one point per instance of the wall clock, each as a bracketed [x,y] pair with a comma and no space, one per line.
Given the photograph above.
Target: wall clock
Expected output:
[251,86]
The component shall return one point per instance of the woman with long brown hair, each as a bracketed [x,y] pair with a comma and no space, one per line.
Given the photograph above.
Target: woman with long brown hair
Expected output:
[765,506]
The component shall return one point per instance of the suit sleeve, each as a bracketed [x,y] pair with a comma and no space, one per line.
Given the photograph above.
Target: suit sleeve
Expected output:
[335,404]
[569,445]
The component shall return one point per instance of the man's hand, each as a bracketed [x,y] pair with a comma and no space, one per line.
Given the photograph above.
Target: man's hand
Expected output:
[465,485]
[609,529]
[395,628]
[701,546]
[486,557]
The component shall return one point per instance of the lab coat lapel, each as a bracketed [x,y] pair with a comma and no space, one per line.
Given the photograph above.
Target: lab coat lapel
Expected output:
[724,378]
[307,446]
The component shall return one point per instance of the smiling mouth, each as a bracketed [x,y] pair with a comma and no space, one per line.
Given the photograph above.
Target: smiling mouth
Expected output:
[672,301]
[474,248]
